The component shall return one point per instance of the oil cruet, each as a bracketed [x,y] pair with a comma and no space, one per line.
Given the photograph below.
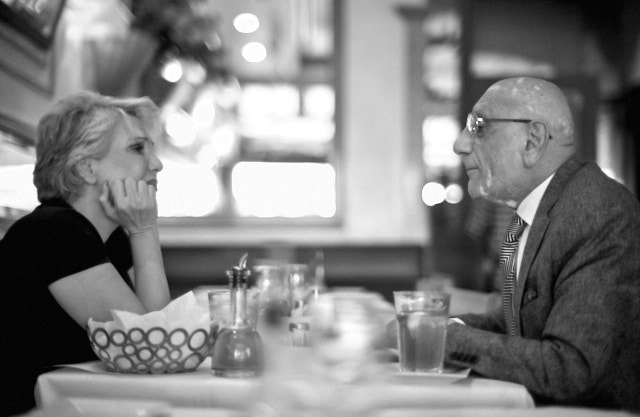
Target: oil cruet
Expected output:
[237,351]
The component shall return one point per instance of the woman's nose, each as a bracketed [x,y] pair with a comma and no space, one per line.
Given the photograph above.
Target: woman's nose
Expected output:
[155,164]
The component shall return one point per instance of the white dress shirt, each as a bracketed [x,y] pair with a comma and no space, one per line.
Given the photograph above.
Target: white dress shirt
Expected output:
[527,211]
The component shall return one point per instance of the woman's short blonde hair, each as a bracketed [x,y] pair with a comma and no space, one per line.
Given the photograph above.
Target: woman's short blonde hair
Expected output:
[78,127]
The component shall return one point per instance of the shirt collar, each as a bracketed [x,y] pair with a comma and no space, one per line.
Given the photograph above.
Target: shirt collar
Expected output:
[528,207]
[56,202]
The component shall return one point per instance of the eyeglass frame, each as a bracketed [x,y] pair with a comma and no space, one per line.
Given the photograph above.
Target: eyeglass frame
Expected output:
[480,121]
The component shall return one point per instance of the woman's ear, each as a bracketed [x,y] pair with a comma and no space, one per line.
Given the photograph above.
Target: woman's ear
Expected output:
[537,141]
[87,170]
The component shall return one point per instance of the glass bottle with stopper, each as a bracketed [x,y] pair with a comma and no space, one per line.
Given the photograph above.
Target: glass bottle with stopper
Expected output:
[237,351]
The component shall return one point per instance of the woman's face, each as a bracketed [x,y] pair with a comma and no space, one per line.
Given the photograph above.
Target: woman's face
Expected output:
[131,154]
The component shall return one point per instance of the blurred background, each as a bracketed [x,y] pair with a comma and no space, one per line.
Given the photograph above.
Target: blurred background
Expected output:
[299,127]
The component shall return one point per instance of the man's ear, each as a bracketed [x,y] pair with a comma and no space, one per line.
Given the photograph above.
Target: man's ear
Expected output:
[87,170]
[536,142]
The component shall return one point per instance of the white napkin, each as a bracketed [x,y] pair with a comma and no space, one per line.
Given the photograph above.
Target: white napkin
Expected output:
[183,312]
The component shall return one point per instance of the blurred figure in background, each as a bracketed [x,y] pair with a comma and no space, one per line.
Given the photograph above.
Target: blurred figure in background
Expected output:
[569,326]
[91,245]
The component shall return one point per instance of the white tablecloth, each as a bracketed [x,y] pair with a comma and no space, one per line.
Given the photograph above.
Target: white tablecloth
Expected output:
[303,393]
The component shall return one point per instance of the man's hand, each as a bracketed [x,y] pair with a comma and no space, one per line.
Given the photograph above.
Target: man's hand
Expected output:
[391,334]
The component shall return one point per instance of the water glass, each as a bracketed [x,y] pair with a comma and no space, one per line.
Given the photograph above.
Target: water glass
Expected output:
[422,329]
[275,290]
[220,307]
[344,335]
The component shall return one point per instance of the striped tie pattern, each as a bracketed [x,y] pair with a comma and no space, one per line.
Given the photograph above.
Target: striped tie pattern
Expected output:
[508,259]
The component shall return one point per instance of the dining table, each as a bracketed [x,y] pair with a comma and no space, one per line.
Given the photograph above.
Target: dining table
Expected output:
[308,380]
[89,390]
[299,390]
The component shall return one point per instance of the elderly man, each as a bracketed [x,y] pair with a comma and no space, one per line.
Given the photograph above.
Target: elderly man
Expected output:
[569,327]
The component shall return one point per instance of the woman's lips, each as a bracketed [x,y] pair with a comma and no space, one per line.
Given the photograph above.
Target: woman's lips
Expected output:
[154,183]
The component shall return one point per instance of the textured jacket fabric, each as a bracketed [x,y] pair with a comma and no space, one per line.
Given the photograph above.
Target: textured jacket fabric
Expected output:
[577,300]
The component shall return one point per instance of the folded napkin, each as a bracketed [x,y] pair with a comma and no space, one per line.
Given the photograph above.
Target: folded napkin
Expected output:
[183,312]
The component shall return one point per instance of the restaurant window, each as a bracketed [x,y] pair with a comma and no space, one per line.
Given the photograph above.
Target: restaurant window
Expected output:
[256,144]
[248,94]
[17,193]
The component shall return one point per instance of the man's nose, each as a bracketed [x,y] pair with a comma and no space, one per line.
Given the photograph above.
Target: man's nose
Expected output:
[463,143]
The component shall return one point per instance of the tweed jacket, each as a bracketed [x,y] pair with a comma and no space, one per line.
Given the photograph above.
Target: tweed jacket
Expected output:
[576,302]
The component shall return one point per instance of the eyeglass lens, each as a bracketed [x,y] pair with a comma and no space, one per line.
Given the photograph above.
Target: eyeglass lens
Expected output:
[472,124]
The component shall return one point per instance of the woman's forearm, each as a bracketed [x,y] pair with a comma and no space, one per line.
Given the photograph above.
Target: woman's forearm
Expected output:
[150,279]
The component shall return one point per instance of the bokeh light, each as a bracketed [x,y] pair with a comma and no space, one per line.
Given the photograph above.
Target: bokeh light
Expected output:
[246,23]
[172,70]
[433,193]
[254,52]
[454,193]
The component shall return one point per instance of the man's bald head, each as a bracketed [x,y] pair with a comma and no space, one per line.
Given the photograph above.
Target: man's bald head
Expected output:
[536,99]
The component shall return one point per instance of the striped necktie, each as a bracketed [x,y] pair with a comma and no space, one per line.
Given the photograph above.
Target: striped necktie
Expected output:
[508,261]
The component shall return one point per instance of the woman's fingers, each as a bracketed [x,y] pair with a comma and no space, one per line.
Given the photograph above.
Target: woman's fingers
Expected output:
[132,193]
[152,192]
[135,206]
[104,195]
[131,188]
[118,193]
[106,201]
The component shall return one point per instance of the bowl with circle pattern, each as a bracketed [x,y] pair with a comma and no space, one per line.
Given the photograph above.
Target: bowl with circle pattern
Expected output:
[154,350]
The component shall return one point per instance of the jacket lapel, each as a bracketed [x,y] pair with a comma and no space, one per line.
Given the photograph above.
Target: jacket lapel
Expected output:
[539,228]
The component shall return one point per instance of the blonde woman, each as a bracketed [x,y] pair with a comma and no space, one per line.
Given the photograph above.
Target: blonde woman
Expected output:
[90,246]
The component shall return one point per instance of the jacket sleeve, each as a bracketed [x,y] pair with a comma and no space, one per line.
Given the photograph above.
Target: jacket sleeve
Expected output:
[493,321]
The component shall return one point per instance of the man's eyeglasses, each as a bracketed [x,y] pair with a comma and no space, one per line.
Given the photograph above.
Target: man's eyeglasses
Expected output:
[474,124]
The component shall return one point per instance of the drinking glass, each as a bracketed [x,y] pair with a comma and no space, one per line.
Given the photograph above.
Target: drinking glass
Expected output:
[220,308]
[344,335]
[422,329]
[275,290]
[300,288]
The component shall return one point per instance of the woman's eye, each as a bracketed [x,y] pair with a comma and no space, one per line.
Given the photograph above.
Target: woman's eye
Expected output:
[138,147]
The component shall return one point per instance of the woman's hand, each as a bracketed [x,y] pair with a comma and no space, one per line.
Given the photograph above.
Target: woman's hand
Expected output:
[130,203]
